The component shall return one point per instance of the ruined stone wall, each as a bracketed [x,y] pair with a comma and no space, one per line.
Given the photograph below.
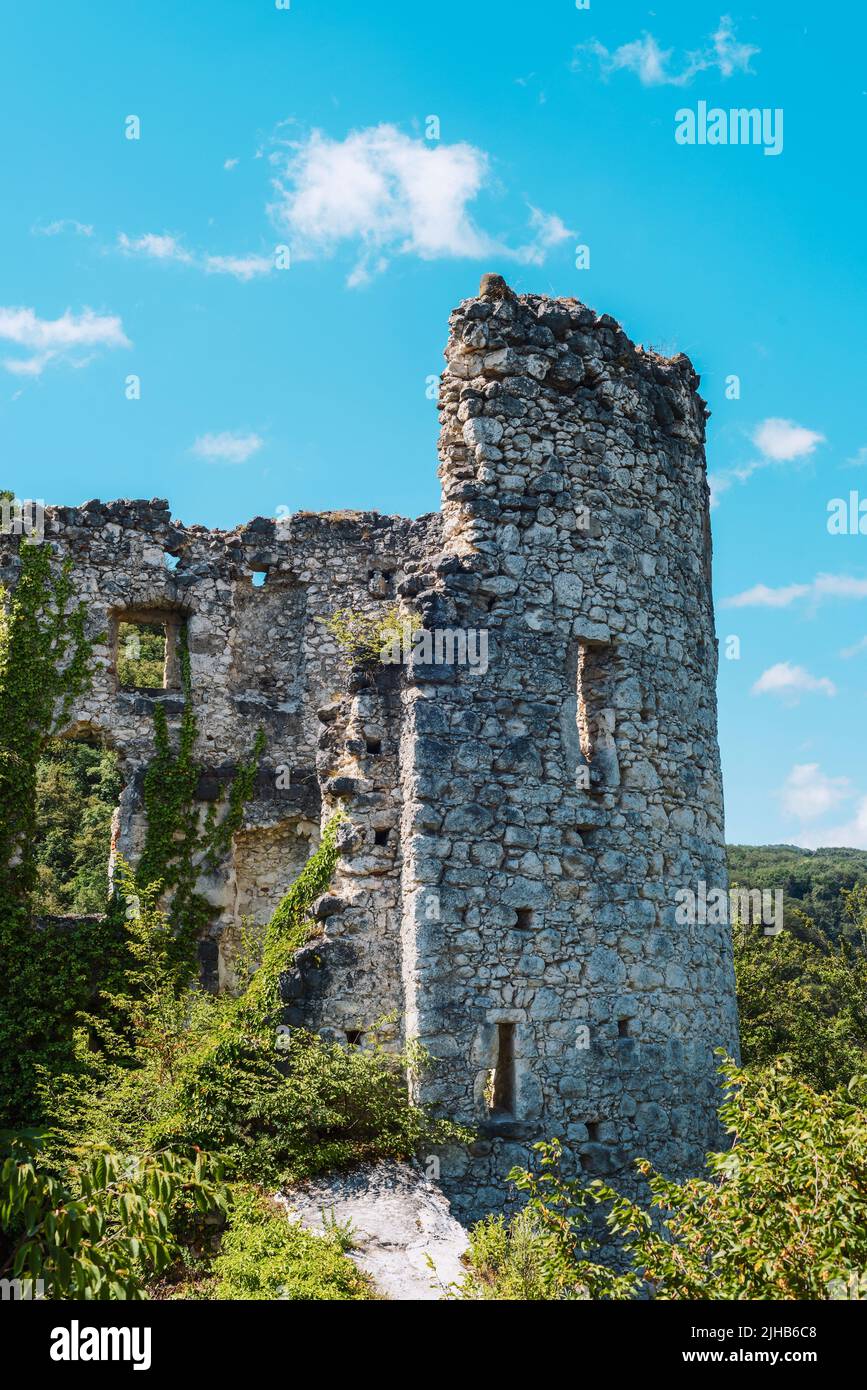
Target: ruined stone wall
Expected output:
[516,829]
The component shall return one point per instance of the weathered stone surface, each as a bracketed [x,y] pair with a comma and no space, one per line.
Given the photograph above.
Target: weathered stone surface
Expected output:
[400,1221]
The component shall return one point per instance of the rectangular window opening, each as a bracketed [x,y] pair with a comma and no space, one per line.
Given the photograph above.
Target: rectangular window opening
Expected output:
[595,713]
[141,656]
[503,1095]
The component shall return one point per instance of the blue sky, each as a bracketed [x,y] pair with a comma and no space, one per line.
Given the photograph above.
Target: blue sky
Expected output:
[305,387]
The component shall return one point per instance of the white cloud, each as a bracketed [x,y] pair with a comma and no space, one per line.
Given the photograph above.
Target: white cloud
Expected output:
[392,195]
[786,679]
[782,440]
[242,267]
[64,224]
[651,64]
[822,587]
[155,247]
[761,596]
[227,447]
[855,649]
[807,793]
[778,441]
[163,247]
[62,338]
[851,834]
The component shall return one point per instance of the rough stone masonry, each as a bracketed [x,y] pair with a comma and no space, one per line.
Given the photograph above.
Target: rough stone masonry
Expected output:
[515,836]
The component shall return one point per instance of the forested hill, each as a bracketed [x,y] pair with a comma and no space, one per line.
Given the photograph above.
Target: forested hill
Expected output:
[811,880]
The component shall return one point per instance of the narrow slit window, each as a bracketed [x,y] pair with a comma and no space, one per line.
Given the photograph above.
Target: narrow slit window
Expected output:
[503,1099]
[595,713]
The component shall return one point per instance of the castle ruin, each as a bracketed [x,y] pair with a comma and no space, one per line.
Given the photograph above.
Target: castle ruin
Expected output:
[517,828]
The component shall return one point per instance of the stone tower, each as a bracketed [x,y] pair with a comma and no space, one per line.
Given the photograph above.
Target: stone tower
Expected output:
[526,795]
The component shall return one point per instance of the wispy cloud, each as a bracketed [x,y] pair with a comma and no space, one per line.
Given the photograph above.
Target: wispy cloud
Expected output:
[777,441]
[227,447]
[165,247]
[791,681]
[808,793]
[391,194]
[242,267]
[855,650]
[64,338]
[155,247]
[824,586]
[851,834]
[653,65]
[63,224]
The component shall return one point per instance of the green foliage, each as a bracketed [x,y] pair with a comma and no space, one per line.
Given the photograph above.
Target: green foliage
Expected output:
[103,1230]
[77,790]
[541,1253]
[46,977]
[265,1255]
[805,1000]
[289,928]
[784,1213]
[781,1215]
[281,1116]
[141,650]
[812,881]
[179,843]
[364,638]
[44,660]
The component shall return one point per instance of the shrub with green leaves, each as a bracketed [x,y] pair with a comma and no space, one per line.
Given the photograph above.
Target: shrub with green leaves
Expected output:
[782,1214]
[103,1230]
[365,638]
[264,1254]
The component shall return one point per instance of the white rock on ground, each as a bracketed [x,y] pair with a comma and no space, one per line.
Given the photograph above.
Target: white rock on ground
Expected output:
[399,1218]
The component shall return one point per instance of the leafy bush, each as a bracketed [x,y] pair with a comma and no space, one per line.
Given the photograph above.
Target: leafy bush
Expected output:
[265,1255]
[782,1215]
[365,639]
[102,1231]
[282,1116]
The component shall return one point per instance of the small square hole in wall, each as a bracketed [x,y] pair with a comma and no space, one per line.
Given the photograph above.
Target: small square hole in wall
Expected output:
[354,1037]
[380,837]
[525,919]
[374,745]
[259,577]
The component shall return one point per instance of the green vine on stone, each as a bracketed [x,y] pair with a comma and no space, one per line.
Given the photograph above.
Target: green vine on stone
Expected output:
[180,844]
